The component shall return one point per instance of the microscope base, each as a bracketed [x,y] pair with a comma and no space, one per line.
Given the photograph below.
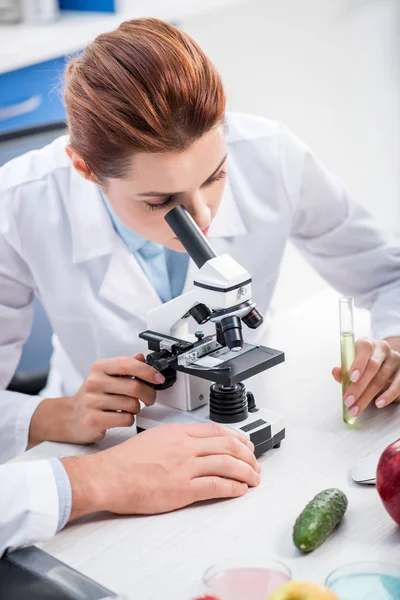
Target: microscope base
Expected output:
[265,428]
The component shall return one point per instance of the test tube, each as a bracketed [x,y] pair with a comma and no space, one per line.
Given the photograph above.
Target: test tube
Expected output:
[347,349]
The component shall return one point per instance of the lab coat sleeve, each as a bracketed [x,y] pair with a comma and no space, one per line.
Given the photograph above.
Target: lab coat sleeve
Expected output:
[340,239]
[16,302]
[29,505]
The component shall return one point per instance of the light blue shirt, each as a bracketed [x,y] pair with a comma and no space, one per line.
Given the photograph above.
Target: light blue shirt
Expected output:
[167,271]
[64,492]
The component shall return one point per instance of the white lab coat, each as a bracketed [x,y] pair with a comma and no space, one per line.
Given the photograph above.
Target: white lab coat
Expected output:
[57,240]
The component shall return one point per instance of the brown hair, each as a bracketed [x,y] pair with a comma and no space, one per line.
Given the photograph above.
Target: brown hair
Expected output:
[145,87]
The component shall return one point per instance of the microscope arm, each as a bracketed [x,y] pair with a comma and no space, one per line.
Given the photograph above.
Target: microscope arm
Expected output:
[170,317]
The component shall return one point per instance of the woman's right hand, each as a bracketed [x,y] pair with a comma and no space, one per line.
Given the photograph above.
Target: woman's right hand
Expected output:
[108,398]
[163,469]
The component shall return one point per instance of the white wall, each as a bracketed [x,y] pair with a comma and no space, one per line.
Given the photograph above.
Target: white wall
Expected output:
[329,69]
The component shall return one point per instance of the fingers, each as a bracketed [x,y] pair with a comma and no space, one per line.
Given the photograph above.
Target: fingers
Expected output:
[130,367]
[381,350]
[337,374]
[364,350]
[226,466]
[102,420]
[113,402]
[211,488]
[126,386]
[379,383]
[391,394]
[229,446]
[212,430]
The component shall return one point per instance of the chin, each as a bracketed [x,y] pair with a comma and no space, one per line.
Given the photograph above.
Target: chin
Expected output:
[175,244]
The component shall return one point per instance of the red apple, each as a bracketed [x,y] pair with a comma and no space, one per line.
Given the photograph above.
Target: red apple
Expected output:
[388,480]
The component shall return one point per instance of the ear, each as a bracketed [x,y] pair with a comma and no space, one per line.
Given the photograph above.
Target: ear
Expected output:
[79,164]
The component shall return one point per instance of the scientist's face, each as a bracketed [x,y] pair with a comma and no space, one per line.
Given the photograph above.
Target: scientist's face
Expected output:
[155,183]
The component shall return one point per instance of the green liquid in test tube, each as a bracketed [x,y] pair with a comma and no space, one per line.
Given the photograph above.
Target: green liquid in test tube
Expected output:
[347,349]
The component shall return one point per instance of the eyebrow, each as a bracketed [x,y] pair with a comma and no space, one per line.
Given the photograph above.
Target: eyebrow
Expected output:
[164,194]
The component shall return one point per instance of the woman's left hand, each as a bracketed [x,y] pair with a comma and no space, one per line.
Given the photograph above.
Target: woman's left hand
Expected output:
[375,373]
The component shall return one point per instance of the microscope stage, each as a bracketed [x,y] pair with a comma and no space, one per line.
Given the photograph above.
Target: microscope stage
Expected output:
[228,368]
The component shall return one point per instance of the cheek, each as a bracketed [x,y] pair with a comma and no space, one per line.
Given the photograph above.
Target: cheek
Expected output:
[158,231]
[142,221]
[150,225]
[215,197]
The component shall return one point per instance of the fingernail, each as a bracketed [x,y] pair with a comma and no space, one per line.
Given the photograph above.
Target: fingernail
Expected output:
[258,478]
[353,412]
[258,468]
[355,376]
[380,403]
[250,445]
[160,378]
[349,401]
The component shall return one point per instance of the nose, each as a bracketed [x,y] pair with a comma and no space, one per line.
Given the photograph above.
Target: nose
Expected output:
[199,211]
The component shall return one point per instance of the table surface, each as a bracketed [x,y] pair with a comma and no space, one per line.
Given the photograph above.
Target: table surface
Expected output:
[165,556]
[26,44]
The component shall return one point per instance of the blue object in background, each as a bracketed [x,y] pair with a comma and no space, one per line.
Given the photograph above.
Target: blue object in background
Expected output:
[32,96]
[93,5]
[38,348]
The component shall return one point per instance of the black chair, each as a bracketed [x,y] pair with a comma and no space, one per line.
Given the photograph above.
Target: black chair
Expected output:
[28,383]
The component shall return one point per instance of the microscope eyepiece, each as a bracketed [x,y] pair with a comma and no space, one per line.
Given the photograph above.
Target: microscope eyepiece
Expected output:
[254,319]
[232,330]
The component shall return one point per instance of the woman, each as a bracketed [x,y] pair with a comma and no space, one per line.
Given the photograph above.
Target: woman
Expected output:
[82,226]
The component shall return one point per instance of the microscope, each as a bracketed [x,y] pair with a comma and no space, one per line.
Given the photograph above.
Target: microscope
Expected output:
[203,373]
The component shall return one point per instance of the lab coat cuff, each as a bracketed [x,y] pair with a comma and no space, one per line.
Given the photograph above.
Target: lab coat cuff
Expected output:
[64,492]
[23,420]
[43,502]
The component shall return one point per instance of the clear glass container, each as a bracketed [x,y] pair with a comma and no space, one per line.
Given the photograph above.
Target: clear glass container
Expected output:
[245,578]
[366,581]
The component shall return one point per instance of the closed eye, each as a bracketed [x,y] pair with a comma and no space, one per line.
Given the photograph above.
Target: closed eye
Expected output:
[170,199]
[160,206]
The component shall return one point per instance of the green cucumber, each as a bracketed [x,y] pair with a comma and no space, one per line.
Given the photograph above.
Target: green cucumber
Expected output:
[319,518]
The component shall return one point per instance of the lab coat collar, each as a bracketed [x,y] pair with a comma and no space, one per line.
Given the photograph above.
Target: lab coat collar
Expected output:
[93,235]
[126,285]
[92,231]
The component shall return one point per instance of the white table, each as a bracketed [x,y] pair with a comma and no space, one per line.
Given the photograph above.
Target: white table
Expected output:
[159,557]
